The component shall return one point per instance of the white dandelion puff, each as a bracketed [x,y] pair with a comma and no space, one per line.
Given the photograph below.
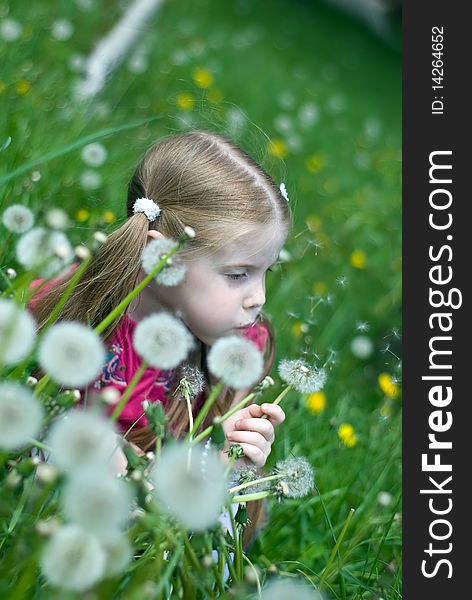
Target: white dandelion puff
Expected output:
[94,155]
[362,346]
[18,218]
[62,30]
[57,218]
[97,501]
[282,589]
[298,477]
[90,180]
[304,378]
[39,246]
[21,415]
[73,559]
[72,353]
[81,439]
[118,554]
[384,498]
[173,271]
[17,332]
[162,340]
[236,361]
[192,382]
[10,30]
[194,498]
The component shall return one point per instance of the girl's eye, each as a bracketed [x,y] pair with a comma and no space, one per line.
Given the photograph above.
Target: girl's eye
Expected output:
[235,276]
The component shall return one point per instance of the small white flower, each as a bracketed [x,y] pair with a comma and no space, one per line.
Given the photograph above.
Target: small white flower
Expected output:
[362,346]
[62,30]
[18,218]
[40,246]
[17,332]
[384,498]
[94,155]
[173,271]
[304,378]
[162,340]
[235,360]
[194,496]
[283,191]
[73,559]
[97,501]
[119,554]
[57,218]
[21,415]
[90,180]
[82,439]
[10,30]
[72,353]
[282,590]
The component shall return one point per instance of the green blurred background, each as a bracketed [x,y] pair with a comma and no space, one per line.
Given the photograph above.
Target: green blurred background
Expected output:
[314,95]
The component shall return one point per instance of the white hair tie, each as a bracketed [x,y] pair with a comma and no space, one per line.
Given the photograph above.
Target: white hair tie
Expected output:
[283,191]
[148,207]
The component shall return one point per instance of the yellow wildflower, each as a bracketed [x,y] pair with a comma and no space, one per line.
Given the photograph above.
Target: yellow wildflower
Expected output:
[277,148]
[82,215]
[387,385]
[319,288]
[185,101]
[316,402]
[22,87]
[314,163]
[108,216]
[203,78]
[3,87]
[358,259]
[314,223]
[347,435]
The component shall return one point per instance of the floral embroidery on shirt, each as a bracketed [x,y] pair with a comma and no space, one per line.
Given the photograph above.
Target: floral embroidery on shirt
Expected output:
[110,372]
[164,380]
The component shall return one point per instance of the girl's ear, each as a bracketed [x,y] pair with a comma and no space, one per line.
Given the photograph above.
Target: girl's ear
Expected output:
[155,235]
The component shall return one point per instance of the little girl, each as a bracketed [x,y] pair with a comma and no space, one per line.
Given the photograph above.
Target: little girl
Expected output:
[241,220]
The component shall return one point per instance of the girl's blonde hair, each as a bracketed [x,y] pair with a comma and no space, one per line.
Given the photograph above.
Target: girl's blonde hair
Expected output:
[200,179]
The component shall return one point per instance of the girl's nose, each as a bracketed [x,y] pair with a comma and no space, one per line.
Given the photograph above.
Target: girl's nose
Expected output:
[256,298]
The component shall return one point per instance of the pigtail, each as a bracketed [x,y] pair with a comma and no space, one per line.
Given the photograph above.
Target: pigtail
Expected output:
[109,278]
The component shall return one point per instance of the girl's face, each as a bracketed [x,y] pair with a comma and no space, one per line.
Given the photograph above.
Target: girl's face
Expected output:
[226,290]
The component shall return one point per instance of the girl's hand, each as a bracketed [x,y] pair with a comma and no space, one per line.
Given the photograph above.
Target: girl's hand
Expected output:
[255,435]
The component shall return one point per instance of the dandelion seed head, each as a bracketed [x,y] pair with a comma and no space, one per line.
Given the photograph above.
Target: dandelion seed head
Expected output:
[97,501]
[298,476]
[62,30]
[21,415]
[10,30]
[56,218]
[18,218]
[90,180]
[384,498]
[173,272]
[236,361]
[72,353]
[192,497]
[362,346]
[303,377]
[73,559]
[94,155]
[118,554]
[162,340]
[81,439]
[17,332]
[191,383]
[39,246]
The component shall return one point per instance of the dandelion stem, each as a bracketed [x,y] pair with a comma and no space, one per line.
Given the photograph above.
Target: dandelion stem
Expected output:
[279,398]
[127,393]
[227,415]
[204,410]
[40,445]
[247,484]
[250,497]
[190,416]
[336,547]
[238,558]
[129,298]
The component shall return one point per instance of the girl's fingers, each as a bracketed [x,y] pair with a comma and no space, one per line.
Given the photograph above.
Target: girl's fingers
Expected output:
[274,413]
[250,437]
[261,426]
[254,454]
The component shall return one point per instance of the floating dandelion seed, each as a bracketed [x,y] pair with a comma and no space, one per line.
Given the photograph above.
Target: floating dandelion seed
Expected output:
[362,326]
[21,415]
[304,378]
[72,353]
[298,477]
[39,246]
[17,332]
[18,218]
[81,439]
[73,559]
[341,281]
[162,340]
[193,498]
[97,501]
[174,270]
[235,360]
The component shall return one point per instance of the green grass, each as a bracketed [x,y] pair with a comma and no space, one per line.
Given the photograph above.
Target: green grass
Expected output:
[351,198]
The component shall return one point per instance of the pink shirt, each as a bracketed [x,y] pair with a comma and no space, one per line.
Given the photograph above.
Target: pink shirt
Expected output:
[122,362]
